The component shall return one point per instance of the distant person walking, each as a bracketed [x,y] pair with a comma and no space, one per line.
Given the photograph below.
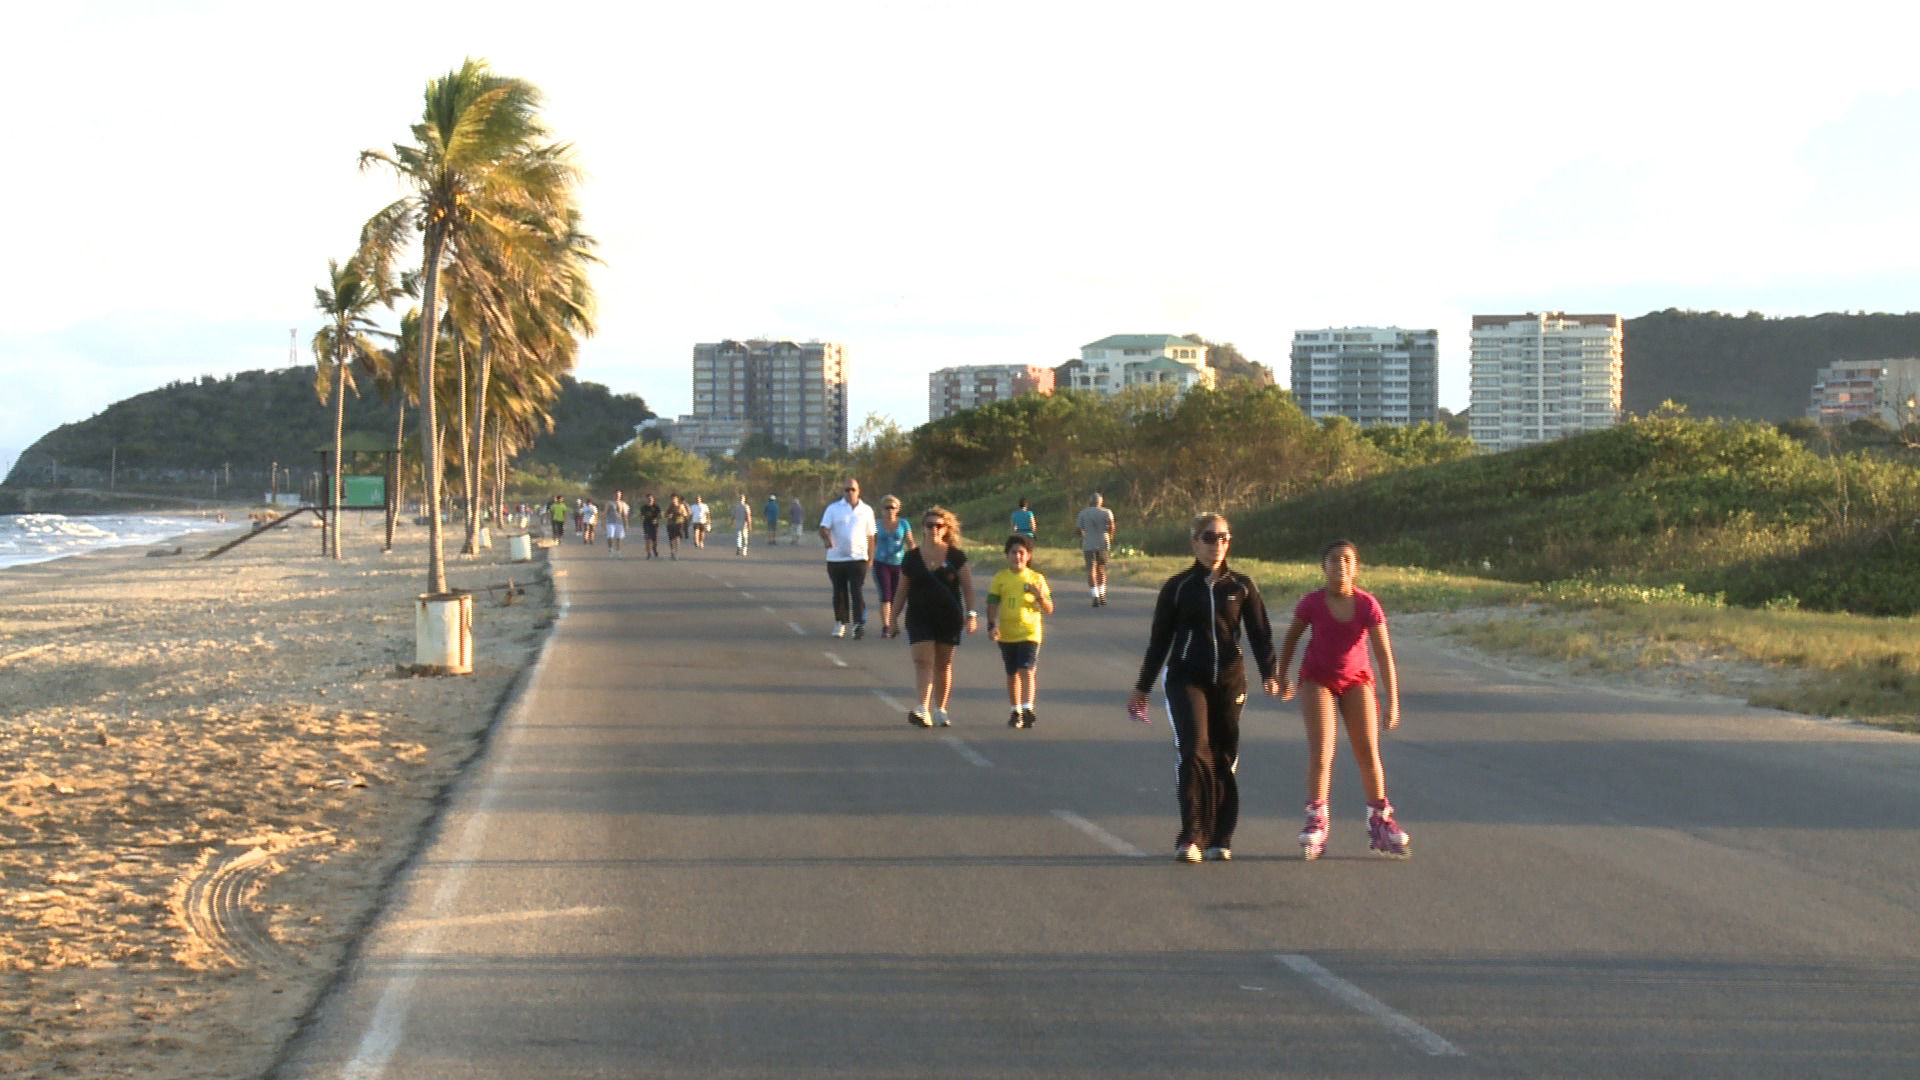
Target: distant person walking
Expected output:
[797,517]
[1202,609]
[1335,678]
[678,517]
[1016,599]
[1023,521]
[847,529]
[742,525]
[1095,526]
[939,607]
[773,519]
[701,520]
[557,514]
[617,514]
[892,537]
[650,525]
[589,520]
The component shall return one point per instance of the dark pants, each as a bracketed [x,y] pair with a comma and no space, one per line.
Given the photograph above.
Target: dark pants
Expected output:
[558,528]
[849,590]
[1208,739]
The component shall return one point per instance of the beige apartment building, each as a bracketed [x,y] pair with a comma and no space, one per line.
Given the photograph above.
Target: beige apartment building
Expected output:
[1885,390]
[1543,376]
[794,393]
[953,389]
[1115,363]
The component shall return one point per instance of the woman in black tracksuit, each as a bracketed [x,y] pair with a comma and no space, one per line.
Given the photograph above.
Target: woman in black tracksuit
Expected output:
[1196,632]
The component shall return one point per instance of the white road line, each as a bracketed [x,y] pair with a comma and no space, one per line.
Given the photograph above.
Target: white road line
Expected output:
[745,594]
[888,700]
[1106,838]
[1398,1023]
[960,747]
[796,628]
[837,662]
[501,917]
[723,581]
[768,609]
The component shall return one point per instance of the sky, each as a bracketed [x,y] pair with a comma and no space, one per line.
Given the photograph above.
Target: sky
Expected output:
[939,184]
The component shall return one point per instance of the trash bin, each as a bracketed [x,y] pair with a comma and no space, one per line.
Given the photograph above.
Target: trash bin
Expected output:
[443,633]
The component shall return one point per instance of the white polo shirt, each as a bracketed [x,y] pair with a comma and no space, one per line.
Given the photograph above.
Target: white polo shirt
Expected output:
[850,527]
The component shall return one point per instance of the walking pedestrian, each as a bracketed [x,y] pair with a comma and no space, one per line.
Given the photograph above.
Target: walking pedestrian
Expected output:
[797,516]
[892,538]
[677,519]
[1016,599]
[773,519]
[1023,521]
[1095,526]
[650,525]
[701,520]
[1335,678]
[939,608]
[589,520]
[847,529]
[742,525]
[557,513]
[617,513]
[1204,608]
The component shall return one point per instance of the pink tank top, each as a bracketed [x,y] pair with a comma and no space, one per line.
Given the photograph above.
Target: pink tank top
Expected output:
[1337,651]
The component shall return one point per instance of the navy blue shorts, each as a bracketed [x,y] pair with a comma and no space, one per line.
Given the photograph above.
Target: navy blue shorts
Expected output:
[1020,656]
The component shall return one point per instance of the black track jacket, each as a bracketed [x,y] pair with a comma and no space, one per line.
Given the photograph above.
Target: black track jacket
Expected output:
[1196,629]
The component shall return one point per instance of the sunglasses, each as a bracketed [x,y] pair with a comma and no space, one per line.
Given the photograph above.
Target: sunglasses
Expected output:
[1214,537]
[934,524]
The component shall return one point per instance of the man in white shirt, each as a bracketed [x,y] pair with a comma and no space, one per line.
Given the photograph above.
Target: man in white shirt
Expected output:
[847,529]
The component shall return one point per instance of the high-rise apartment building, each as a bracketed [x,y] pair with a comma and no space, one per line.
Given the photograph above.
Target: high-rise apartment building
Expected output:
[1543,376]
[1848,390]
[1368,374]
[952,389]
[1115,363]
[794,393]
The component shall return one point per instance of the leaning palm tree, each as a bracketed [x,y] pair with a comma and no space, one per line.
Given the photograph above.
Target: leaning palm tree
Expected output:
[347,300]
[481,175]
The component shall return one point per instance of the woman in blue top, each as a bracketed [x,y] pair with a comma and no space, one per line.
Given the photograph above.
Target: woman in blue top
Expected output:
[1023,520]
[891,542]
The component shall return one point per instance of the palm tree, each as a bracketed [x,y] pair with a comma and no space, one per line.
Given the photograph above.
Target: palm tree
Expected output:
[482,175]
[392,372]
[347,299]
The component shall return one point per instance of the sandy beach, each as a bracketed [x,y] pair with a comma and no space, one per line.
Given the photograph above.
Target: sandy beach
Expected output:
[211,768]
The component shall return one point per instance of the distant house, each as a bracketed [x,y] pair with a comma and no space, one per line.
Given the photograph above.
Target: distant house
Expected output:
[1115,363]
[953,389]
[1848,390]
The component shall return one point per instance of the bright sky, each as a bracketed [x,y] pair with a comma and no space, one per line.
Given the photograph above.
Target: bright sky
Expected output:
[937,184]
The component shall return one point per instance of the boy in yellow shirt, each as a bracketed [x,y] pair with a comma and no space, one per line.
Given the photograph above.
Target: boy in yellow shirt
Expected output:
[1015,601]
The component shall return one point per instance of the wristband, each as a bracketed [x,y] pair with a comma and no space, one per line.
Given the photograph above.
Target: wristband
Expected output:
[973,614]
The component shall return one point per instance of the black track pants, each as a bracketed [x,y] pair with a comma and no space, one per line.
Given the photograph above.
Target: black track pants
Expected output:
[849,590]
[1208,739]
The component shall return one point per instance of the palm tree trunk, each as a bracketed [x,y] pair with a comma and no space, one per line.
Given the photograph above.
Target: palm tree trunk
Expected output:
[429,422]
[477,487]
[397,498]
[339,436]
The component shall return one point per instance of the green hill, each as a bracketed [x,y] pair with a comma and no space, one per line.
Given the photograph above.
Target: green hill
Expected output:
[246,422]
[1750,367]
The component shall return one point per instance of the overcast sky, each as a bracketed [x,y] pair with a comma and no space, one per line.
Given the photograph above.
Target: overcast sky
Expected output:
[937,184]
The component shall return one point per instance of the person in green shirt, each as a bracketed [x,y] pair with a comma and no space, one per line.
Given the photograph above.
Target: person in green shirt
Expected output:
[557,513]
[1016,600]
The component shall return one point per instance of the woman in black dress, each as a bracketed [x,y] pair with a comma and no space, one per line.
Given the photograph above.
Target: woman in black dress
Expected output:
[939,599]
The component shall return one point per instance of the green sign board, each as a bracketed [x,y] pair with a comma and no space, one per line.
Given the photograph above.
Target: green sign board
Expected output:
[363,492]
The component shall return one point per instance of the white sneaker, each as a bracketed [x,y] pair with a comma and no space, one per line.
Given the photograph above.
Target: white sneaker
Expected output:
[1187,853]
[839,629]
[1219,854]
[941,719]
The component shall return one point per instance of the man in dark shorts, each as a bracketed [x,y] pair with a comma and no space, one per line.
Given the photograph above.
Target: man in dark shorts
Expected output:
[1095,526]
[650,525]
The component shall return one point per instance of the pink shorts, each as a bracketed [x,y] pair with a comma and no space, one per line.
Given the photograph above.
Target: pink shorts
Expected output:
[1338,686]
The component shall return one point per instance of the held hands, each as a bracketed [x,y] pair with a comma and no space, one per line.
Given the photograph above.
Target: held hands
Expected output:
[1287,687]
[1274,686]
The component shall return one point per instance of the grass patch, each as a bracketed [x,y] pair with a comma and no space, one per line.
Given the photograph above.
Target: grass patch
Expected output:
[1401,589]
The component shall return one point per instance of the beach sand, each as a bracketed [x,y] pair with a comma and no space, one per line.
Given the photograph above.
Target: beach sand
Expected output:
[208,772]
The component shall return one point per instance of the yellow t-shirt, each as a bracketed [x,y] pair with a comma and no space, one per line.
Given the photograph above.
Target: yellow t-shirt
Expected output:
[1019,614]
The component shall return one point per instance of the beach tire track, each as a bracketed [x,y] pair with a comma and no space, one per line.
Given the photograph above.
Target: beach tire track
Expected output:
[216,908]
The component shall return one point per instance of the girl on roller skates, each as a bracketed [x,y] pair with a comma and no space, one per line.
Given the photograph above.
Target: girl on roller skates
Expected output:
[1335,678]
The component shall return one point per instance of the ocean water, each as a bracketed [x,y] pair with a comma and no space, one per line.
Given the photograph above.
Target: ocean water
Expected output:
[32,538]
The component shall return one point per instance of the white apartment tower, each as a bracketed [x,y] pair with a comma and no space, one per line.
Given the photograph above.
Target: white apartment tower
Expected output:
[953,389]
[792,393]
[1543,376]
[1368,374]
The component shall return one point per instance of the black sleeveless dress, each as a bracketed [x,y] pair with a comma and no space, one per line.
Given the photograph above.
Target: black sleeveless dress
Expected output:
[935,610]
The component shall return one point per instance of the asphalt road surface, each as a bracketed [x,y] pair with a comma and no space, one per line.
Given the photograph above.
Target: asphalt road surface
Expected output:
[708,844]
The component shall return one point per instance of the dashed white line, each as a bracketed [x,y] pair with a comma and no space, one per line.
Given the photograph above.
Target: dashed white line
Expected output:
[745,594]
[960,747]
[1106,838]
[837,662]
[888,700]
[768,608]
[1398,1023]
[796,628]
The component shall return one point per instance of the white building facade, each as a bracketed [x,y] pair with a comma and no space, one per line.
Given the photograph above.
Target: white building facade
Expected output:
[1544,376]
[1848,390]
[1368,374]
[953,389]
[1112,364]
[793,393]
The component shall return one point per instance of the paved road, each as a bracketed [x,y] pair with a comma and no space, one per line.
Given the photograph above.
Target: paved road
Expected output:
[709,845]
